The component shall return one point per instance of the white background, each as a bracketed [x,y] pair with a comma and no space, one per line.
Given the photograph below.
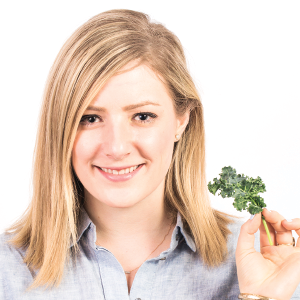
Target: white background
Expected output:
[243,55]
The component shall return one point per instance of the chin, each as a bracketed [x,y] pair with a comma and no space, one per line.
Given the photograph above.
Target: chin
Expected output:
[121,204]
[117,200]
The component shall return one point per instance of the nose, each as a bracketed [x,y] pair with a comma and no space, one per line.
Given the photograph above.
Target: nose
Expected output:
[117,143]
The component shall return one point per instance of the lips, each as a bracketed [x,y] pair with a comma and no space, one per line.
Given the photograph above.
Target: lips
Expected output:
[120,176]
[119,171]
[120,168]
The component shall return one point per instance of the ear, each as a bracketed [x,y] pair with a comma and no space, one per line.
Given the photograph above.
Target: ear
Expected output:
[182,122]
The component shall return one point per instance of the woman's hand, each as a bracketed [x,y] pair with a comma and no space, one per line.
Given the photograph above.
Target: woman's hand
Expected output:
[275,272]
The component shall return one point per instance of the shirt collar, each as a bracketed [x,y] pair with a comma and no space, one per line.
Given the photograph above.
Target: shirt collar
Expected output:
[84,223]
[188,239]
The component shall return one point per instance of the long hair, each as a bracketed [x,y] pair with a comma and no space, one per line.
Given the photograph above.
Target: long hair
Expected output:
[91,56]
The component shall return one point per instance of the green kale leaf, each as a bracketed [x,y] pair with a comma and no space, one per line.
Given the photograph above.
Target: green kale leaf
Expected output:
[243,189]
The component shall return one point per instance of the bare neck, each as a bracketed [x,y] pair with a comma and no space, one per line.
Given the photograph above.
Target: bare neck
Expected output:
[144,220]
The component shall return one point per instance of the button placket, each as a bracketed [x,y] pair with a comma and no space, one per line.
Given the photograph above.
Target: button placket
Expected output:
[109,268]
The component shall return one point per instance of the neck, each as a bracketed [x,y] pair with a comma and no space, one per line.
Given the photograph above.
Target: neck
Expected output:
[145,220]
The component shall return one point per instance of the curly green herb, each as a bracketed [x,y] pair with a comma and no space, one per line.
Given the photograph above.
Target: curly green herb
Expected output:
[243,189]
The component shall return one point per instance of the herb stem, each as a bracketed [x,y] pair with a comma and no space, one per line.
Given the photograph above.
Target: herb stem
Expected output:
[267,230]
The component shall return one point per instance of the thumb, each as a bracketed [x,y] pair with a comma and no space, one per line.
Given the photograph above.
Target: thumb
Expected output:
[246,238]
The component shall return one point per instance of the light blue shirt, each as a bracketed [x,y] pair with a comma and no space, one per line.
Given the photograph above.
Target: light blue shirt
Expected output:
[176,274]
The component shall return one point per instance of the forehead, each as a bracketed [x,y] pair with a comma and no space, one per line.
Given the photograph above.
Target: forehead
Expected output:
[133,84]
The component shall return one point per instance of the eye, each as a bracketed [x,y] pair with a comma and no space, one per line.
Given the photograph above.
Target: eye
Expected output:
[89,119]
[144,117]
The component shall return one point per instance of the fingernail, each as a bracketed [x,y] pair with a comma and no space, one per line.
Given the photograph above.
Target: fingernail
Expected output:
[268,210]
[289,220]
[251,217]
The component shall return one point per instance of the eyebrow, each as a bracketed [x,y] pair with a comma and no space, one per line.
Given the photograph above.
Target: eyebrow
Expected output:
[125,108]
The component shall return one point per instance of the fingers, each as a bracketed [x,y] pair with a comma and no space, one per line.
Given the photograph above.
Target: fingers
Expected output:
[283,235]
[294,225]
[246,237]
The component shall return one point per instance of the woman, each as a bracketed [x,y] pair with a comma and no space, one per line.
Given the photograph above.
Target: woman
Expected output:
[120,207]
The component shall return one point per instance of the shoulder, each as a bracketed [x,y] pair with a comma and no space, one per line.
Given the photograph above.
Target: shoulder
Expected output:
[13,272]
[10,257]
[7,251]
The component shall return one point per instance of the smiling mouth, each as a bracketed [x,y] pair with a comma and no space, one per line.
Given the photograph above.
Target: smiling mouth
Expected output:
[120,172]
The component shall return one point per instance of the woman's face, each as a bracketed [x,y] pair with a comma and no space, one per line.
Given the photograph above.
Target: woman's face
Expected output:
[125,139]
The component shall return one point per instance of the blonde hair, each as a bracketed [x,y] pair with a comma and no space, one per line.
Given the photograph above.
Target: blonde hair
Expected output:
[92,55]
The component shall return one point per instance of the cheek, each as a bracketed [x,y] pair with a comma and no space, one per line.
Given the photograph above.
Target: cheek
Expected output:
[83,151]
[158,146]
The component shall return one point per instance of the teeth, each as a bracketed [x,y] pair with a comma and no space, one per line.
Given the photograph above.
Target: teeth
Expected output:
[124,171]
